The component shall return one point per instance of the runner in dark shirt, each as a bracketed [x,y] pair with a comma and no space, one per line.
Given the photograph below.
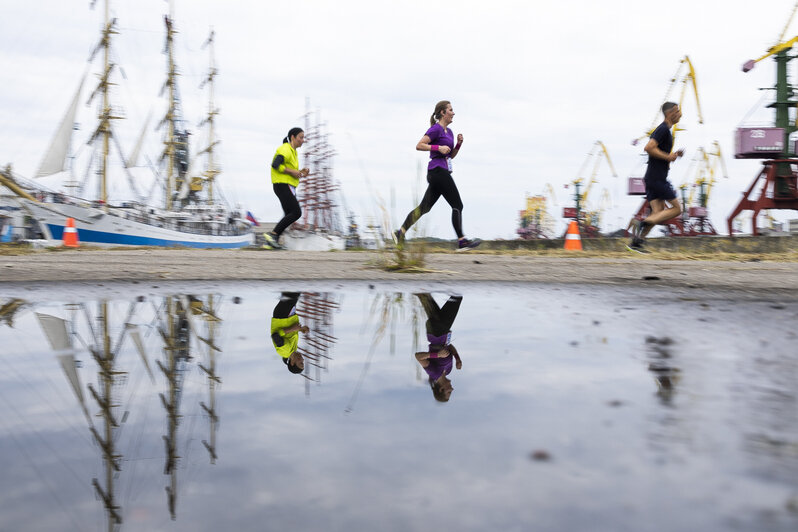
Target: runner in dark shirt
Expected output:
[659,191]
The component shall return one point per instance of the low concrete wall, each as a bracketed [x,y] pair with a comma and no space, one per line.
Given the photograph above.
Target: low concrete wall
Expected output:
[738,244]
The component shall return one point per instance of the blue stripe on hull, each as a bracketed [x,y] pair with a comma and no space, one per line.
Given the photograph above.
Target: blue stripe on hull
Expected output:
[100,237]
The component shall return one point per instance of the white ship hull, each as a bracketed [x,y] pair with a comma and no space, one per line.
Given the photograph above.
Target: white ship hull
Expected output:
[121,227]
[300,240]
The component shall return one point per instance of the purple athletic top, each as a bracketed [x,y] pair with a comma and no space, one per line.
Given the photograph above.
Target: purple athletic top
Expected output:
[442,341]
[440,137]
[438,367]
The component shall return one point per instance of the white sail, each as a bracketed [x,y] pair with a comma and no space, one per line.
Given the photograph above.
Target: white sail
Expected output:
[56,332]
[71,371]
[54,160]
[134,333]
[133,160]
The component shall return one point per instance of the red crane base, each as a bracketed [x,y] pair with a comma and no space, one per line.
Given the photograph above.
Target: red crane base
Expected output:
[779,190]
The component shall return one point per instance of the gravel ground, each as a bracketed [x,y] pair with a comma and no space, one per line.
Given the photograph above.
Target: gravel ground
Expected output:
[752,277]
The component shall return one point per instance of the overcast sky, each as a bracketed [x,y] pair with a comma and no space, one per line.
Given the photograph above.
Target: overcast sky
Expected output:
[533,86]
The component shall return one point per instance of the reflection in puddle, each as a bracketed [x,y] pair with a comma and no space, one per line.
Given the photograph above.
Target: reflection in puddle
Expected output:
[195,406]
[661,366]
[440,355]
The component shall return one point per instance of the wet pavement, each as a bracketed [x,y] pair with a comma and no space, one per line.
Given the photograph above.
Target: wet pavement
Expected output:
[574,407]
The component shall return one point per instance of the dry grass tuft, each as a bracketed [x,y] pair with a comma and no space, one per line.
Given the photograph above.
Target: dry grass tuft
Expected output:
[16,248]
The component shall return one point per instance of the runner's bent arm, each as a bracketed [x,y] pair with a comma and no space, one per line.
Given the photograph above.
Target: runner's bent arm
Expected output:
[424,145]
[279,164]
[456,149]
[652,148]
[423,358]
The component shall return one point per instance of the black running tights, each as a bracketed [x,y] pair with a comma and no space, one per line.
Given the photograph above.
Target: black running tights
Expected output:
[440,183]
[440,319]
[291,209]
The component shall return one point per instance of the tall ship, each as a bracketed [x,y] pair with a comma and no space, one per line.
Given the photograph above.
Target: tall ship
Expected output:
[319,228]
[183,207]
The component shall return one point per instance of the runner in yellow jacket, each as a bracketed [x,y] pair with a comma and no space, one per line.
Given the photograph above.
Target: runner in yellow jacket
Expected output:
[285,329]
[285,178]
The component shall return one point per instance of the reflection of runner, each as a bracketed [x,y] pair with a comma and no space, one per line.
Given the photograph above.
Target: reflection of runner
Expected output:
[439,141]
[285,178]
[437,361]
[658,188]
[285,329]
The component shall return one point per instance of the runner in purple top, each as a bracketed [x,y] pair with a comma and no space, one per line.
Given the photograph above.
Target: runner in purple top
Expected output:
[439,141]
[437,360]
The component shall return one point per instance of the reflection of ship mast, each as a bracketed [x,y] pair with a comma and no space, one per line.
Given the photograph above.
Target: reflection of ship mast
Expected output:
[175,334]
[106,360]
[212,320]
[176,330]
[316,309]
[104,353]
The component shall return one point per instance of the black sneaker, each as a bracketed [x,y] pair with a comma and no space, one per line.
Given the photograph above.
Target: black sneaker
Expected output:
[398,237]
[636,227]
[637,246]
[465,244]
[271,241]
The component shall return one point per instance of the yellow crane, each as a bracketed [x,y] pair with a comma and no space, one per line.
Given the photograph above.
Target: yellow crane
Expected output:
[594,217]
[708,164]
[706,179]
[594,157]
[780,45]
[693,175]
[535,221]
[597,152]
[685,75]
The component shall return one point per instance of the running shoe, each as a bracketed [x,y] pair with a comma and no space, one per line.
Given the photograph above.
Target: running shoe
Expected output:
[465,244]
[398,237]
[271,241]
[637,246]
[637,227]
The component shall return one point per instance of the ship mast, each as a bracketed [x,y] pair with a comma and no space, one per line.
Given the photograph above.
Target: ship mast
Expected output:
[211,170]
[105,116]
[319,211]
[169,150]
[176,142]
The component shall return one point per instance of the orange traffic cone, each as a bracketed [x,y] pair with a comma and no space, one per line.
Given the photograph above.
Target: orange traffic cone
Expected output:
[572,238]
[70,234]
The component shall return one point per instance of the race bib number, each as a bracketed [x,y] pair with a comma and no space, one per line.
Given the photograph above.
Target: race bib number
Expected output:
[449,164]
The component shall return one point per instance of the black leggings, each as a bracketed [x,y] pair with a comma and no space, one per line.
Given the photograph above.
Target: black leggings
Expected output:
[440,318]
[440,184]
[288,301]
[291,209]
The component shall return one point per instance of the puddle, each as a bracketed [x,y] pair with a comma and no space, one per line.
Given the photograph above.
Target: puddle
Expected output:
[473,407]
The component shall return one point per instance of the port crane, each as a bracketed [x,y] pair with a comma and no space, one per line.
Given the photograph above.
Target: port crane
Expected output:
[685,77]
[535,221]
[596,154]
[777,181]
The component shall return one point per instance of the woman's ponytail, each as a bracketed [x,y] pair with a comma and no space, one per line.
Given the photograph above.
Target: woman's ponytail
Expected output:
[293,132]
[440,107]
